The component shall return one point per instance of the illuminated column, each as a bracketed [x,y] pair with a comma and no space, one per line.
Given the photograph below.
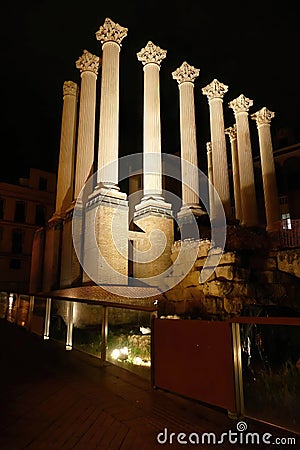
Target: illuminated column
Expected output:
[88,65]
[263,119]
[64,191]
[215,92]
[152,215]
[231,131]
[110,35]
[241,106]
[210,179]
[106,218]
[151,57]
[185,76]
[65,176]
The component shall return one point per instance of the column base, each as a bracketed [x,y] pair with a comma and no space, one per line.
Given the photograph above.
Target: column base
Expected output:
[154,206]
[186,210]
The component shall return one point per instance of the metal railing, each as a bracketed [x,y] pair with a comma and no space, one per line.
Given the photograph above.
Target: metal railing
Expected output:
[286,233]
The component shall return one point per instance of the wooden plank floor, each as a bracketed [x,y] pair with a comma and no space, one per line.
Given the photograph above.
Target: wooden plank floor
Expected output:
[59,400]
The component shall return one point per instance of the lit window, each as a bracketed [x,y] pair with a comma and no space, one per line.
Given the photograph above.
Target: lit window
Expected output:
[286,221]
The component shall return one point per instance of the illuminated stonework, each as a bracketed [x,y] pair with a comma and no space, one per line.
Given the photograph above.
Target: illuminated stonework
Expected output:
[151,54]
[249,212]
[263,119]
[215,90]
[263,116]
[185,73]
[88,62]
[232,133]
[111,31]
[185,76]
[70,88]
[240,104]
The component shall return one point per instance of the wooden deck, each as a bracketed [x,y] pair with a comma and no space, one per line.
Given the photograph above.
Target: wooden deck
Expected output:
[59,400]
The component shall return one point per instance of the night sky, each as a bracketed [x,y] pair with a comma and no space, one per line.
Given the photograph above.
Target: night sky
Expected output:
[253,49]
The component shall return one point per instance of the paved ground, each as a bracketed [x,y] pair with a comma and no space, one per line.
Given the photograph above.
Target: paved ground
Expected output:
[59,400]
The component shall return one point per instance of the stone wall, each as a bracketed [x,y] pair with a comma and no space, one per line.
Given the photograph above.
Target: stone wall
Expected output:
[242,277]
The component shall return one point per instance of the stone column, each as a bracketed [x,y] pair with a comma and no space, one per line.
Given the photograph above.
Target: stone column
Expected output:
[106,219]
[110,35]
[185,76]
[263,119]
[241,106]
[151,57]
[211,192]
[65,176]
[64,192]
[215,92]
[231,132]
[152,215]
[88,65]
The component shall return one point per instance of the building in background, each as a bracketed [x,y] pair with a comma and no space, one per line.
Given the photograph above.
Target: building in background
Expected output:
[24,207]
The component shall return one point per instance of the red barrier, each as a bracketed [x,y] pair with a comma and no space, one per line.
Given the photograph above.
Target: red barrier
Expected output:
[194,358]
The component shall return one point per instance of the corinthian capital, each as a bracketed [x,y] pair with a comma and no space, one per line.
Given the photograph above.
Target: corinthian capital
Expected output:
[185,73]
[231,131]
[151,54]
[208,147]
[240,104]
[215,90]
[263,116]
[111,31]
[88,62]
[70,88]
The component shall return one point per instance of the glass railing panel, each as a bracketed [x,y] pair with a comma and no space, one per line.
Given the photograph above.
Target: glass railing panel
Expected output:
[129,340]
[87,321]
[271,373]
[58,320]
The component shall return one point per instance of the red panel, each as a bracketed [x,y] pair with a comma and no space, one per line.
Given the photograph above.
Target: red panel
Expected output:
[194,358]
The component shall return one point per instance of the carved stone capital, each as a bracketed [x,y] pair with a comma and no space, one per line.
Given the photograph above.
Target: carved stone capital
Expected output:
[88,62]
[151,54]
[70,88]
[263,116]
[185,73]
[111,31]
[208,147]
[215,90]
[231,131]
[240,104]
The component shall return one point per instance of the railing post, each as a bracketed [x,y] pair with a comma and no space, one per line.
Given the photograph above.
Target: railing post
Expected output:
[238,375]
[47,318]
[104,332]
[30,312]
[153,316]
[69,337]
[18,301]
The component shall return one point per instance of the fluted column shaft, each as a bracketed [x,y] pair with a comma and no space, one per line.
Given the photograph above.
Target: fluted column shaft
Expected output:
[185,76]
[211,191]
[152,132]
[151,57]
[240,107]
[263,119]
[65,176]
[110,35]
[88,65]
[215,92]
[231,131]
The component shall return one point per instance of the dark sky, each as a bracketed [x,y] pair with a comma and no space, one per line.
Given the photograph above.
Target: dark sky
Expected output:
[253,48]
